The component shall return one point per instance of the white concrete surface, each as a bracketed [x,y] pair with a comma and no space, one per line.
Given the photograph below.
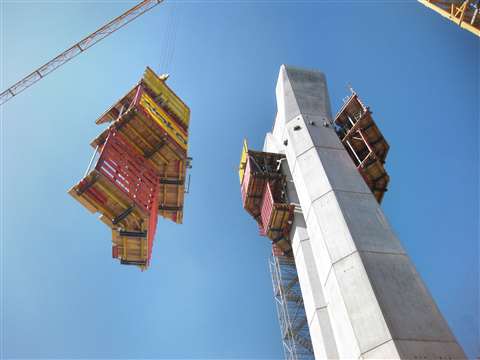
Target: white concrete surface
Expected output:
[363,297]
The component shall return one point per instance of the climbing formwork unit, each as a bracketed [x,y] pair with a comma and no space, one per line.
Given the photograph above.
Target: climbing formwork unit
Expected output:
[364,143]
[464,13]
[264,196]
[138,168]
[263,190]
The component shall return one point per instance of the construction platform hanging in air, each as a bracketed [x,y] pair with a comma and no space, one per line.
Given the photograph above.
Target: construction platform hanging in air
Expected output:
[138,168]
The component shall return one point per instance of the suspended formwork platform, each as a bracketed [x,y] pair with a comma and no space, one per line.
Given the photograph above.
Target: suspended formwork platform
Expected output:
[364,143]
[155,121]
[139,167]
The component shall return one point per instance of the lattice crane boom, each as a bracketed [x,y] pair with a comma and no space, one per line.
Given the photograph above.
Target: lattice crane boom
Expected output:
[464,13]
[78,48]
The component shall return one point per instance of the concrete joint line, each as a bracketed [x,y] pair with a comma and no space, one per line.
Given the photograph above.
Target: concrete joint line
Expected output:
[308,213]
[353,192]
[333,263]
[317,147]
[344,257]
[381,252]
[373,348]
[337,191]
[328,276]
[321,196]
[315,314]
[425,340]
[305,114]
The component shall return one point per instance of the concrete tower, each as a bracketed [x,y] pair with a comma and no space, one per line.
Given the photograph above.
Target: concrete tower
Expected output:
[362,295]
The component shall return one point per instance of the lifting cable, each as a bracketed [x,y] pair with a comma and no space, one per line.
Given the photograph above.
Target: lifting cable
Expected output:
[169,39]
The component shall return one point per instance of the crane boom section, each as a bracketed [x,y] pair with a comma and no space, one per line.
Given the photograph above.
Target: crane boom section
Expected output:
[78,48]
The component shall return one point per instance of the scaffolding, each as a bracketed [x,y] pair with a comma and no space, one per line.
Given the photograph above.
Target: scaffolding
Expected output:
[291,312]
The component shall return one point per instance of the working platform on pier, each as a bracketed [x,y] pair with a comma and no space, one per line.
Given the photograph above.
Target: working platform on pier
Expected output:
[263,190]
[364,143]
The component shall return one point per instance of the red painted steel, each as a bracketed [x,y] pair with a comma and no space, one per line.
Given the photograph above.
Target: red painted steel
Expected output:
[267,207]
[128,171]
[152,224]
[261,230]
[245,181]
[115,251]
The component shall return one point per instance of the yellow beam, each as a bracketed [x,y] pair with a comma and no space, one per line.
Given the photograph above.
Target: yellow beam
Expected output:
[458,16]
[243,161]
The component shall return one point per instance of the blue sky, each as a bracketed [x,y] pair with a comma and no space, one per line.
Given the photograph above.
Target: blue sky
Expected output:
[208,292]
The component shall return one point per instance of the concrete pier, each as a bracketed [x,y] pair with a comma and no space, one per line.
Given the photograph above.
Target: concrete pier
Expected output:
[362,295]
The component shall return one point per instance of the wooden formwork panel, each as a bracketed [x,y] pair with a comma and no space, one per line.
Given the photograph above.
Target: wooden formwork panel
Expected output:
[254,181]
[279,222]
[122,186]
[167,98]
[276,216]
[99,194]
[143,134]
[134,247]
[355,121]
[130,245]
[376,178]
[147,137]
[171,192]
[161,93]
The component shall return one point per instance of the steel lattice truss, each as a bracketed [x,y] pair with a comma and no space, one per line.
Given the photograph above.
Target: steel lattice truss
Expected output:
[78,48]
[464,13]
[291,313]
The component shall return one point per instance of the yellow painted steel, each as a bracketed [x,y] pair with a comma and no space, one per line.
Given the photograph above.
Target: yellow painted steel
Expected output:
[168,96]
[456,12]
[162,118]
[243,161]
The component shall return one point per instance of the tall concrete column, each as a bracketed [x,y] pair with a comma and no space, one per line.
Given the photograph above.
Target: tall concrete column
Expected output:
[321,334]
[362,295]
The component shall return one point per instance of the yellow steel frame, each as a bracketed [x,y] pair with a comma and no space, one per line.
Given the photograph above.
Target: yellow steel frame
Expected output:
[162,119]
[462,14]
[243,161]
[168,96]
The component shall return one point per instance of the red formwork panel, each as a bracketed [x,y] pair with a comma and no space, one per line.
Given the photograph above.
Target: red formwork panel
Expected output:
[245,182]
[276,216]
[128,171]
[267,208]
[152,226]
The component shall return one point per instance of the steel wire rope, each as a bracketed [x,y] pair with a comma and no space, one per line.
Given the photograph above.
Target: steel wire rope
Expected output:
[166,42]
[176,23]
